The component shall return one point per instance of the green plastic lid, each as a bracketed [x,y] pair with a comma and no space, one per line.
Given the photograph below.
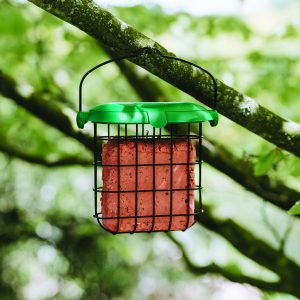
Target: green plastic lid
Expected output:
[158,114]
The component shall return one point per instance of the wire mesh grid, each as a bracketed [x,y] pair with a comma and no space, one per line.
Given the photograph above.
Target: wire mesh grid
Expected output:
[148,177]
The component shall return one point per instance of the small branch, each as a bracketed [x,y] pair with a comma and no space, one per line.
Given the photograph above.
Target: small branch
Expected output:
[242,172]
[286,234]
[269,225]
[60,162]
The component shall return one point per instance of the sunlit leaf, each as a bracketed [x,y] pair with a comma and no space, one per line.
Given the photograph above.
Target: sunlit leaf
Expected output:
[295,209]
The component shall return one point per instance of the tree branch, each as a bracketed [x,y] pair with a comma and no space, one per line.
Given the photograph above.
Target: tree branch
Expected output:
[124,39]
[59,162]
[48,111]
[242,172]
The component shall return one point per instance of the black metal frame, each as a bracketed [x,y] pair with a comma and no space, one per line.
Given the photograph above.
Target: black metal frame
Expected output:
[139,135]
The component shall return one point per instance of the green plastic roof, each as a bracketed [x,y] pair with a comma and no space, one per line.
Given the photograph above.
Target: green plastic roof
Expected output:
[158,114]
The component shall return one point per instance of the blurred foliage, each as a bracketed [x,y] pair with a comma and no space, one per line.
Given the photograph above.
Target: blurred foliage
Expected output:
[50,247]
[266,162]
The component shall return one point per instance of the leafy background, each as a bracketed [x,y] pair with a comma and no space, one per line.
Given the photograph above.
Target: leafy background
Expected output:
[51,248]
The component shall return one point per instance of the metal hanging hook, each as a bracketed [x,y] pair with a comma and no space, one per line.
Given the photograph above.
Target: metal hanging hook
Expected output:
[151,51]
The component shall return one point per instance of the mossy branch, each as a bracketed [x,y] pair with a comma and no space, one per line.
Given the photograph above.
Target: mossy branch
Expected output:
[124,39]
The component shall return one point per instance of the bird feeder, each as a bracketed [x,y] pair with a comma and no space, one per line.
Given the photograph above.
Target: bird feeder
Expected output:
[147,162]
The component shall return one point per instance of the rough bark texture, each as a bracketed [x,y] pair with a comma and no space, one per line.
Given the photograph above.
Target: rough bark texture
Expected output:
[124,39]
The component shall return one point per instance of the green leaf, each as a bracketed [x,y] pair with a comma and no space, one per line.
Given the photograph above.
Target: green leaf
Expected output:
[295,209]
[268,161]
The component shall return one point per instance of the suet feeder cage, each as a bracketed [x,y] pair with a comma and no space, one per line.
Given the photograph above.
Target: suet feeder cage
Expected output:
[149,155]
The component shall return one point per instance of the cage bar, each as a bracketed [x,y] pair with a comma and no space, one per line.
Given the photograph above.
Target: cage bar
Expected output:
[155,138]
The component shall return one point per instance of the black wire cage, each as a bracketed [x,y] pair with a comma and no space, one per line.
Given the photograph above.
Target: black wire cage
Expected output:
[147,161]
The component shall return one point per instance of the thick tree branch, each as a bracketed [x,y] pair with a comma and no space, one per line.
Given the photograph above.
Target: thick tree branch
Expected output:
[124,39]
[59,162]
[242,172]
